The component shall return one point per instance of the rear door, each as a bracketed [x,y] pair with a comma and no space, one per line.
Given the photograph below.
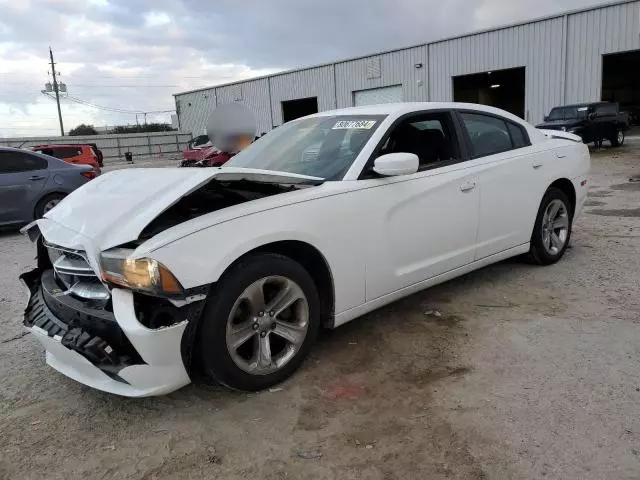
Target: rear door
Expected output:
[510,173]
[23,176]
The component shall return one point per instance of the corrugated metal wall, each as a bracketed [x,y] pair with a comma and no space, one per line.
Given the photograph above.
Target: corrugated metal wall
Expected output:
[255,95]
[396,68]
[535,46]
[193,110]
[562,57]
[591,35]
[313,82]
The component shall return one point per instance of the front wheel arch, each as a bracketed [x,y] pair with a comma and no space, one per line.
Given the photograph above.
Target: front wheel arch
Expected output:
[302,252]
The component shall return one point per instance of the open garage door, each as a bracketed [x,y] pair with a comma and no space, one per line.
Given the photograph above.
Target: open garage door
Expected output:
[503,89]
[621,83]
[373,96]
[301,107]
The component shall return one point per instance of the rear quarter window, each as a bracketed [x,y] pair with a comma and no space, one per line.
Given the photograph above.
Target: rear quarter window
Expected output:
[519,137]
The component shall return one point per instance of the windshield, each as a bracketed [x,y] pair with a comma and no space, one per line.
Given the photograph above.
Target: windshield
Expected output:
[556,114]
[322,147]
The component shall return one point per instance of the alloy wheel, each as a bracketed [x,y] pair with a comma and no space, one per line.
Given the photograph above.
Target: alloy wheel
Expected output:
[555,227]
[267,325]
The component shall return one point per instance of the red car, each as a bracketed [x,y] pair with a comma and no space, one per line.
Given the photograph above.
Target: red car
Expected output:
[77,154]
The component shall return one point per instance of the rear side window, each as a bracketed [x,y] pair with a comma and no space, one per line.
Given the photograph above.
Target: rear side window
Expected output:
[15,162]
[518,135]
[64,152]
[489,135]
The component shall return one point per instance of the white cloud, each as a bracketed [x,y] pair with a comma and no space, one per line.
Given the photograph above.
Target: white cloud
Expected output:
[156,19]
[134,54]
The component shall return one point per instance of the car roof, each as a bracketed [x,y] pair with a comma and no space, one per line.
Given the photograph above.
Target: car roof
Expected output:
[410,107]
[62,145]
[586,104]
[396,110]
[14,149]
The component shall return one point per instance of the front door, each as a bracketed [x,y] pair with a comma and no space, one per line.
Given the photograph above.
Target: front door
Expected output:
[423,224]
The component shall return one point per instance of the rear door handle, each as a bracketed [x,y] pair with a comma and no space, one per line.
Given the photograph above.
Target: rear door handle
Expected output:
[35,177]
[561,155]
[467,186]
[537,164]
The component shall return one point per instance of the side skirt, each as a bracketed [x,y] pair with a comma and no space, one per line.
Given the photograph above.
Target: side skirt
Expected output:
[360,310]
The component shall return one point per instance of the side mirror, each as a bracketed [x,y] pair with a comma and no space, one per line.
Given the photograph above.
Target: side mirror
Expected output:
[592,116]
[395,164]
[546,118]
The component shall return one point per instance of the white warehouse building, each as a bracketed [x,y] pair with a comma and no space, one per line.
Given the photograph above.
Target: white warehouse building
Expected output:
[579,56]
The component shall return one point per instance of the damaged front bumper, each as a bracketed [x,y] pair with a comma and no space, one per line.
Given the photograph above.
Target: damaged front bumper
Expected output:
[109,350]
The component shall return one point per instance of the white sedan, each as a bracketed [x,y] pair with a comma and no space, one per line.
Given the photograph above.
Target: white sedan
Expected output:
[144,276]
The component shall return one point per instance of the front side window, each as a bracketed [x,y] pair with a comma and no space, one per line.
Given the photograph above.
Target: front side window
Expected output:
[430,136]
[15,162]
[324,147]
[489,135]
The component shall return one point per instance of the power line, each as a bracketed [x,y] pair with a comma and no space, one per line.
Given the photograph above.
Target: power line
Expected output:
[111,109]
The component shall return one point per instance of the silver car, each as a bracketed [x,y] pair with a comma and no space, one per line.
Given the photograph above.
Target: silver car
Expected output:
[31,184]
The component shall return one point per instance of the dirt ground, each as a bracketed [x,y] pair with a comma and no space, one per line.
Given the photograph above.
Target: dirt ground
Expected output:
[511,372]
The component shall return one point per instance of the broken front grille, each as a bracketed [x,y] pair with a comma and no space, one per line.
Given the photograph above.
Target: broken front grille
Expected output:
[73,271]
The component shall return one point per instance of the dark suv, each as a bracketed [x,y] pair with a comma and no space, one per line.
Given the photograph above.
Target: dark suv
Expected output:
[593,122]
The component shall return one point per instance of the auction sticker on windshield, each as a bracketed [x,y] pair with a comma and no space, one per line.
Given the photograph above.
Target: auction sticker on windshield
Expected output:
[349,124]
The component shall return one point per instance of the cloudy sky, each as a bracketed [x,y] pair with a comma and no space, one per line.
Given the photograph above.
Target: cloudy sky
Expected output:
[131,55]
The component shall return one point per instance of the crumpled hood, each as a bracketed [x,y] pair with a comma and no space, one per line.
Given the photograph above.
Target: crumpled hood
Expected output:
[114,208]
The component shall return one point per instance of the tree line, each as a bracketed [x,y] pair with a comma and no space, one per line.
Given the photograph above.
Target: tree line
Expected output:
[84,129]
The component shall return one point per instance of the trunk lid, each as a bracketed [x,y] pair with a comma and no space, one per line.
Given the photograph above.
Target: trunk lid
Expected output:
[114,208]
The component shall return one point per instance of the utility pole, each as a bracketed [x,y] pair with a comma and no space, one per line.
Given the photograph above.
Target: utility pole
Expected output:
[56,89]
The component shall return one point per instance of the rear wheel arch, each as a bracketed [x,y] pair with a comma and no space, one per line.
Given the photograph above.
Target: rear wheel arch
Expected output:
[565,186]
[38,207]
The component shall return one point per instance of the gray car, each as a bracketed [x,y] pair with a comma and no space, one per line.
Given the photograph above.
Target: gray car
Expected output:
[31,184]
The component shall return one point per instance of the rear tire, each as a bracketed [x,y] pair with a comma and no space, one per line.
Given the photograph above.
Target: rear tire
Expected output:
[47,203]
[248,340]
[552,230]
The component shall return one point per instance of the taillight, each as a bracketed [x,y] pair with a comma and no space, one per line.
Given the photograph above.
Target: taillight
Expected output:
[90,174]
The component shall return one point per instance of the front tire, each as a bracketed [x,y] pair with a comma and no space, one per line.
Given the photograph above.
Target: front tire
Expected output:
[259,323]
[552,230]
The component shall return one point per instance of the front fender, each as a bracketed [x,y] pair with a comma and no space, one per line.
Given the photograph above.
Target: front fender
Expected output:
[202,258]
[327,225]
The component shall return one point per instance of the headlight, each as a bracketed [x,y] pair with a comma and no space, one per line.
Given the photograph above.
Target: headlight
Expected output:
[143,274]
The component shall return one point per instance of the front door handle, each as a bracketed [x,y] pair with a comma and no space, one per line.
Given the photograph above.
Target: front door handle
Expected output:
[33,178]
[536,165]
[467,186]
